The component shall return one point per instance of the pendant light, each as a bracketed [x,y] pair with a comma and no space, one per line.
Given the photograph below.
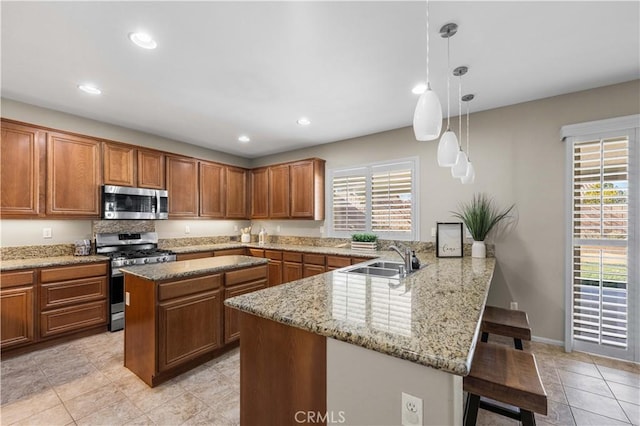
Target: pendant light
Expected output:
[470,176]
[459,169]
[427,118]
[448,145]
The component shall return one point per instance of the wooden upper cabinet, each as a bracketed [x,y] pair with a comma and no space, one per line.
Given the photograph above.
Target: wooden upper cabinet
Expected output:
[307,189]
[73,176]
[22,167]
[182,184]
[118,164]
[212,190]
[279,191]
[150,169]
[236,200]
[260,193]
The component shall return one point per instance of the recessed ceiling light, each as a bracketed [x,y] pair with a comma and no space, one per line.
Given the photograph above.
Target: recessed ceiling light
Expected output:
[419,89]
[143,40]
[244,138]
[88,88]
[303,121]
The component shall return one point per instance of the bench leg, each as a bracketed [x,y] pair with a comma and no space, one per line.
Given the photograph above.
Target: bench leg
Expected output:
[527,418]
[471,410]
[485,337]
[518,343]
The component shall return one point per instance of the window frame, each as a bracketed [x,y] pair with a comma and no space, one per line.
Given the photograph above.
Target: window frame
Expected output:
[628,126]
[368,169]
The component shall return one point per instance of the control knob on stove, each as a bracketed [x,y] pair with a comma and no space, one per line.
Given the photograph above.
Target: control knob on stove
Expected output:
[128,262]
[146,261]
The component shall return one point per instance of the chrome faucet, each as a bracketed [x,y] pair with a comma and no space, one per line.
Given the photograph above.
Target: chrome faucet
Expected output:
[406,257]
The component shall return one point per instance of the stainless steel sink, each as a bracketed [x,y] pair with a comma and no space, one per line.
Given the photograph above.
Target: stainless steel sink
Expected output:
[375,271]
[388,265]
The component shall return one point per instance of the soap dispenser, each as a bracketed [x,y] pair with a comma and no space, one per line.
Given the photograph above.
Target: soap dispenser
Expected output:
[262,237]
[415,262]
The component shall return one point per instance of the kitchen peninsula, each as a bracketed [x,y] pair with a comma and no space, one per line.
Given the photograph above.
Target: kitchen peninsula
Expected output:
[342,347]
[174,315]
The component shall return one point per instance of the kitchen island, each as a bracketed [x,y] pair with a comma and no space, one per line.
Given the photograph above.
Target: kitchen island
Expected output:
[174,315]
[342,347]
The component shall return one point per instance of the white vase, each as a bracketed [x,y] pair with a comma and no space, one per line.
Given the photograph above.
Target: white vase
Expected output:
[478,249]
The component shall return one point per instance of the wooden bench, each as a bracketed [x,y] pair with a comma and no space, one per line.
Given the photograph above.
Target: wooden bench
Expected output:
[505,322]
[508,376]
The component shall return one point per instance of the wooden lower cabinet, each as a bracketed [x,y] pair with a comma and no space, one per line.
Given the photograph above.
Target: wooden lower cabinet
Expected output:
[17,325]
[72,318]
[230,252]
[291,271]
[197,255]
[313,264]
[337,262]
[188,327]
[236,283]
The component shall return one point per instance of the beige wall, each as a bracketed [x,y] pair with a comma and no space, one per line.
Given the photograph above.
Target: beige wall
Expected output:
[519,158]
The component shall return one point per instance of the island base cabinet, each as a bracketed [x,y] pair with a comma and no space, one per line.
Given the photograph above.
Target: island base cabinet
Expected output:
[282,374]
[177,321]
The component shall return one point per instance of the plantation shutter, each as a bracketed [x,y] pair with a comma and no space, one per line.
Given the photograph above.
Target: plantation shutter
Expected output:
[600,224]
[378,198]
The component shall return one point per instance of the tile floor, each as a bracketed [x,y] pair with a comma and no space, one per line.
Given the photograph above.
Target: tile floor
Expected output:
[84,382]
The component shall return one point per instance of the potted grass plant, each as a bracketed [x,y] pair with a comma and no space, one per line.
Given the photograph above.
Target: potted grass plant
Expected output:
[364,242]
[480,215]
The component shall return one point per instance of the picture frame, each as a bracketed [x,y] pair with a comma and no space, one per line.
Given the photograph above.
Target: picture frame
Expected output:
[449,239]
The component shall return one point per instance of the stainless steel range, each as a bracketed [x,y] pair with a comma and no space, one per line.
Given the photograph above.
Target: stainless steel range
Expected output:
[127,250]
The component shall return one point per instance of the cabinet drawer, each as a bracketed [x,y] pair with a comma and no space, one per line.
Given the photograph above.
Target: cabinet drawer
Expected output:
[70,292]
[273,254]
[355,260]
[62,320]
[231,315]
[338,261]
[313,259]
[289,256]
[230,252]
[73,272]
[245,275]
[14,279]
[191,256]
[256,252]
[186,287]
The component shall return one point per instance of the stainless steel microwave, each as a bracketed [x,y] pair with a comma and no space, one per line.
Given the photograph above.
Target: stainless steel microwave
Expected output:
[122,202]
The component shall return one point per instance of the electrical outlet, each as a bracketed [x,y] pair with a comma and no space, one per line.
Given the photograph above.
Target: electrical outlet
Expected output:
[46,233]
[514,306]
[322,229]
[235,228]
[187,229]
[127,298]
[278,228]
[411,410]
[433,232]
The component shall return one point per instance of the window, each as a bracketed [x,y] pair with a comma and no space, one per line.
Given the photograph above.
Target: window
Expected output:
[602,280]
[378,198]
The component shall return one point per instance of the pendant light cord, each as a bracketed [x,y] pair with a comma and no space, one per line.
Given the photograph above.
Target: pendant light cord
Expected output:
[448,84]
[468,152]
[460,112]
[428,84]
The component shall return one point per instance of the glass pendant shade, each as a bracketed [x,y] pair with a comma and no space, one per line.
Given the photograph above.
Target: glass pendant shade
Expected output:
[459,169]
[427,118]
[447,149]
[470,176]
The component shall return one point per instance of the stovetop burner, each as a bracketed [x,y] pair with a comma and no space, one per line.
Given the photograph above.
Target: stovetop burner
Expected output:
[132,249]
[135,254]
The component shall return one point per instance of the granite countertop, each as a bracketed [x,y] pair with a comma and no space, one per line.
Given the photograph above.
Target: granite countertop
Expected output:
[431,317]
[338,251]
[188,268]
[40,262]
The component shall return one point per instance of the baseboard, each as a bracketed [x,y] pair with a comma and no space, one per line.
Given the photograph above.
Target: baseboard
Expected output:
[547,341]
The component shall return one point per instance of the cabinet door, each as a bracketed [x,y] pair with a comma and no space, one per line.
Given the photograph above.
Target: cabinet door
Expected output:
[197,255]
[279,191]
[182,184]
[73,176]
[188,327]
[212,194]
[22,168]
[260,193]
[307,189]
[17,322]
[236,193]
[150,169]
[275,272]
[291,271]
[118,164]
[311,270]
[232,316]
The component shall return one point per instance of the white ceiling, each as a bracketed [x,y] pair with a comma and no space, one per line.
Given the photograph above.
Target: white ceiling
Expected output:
[223,69]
